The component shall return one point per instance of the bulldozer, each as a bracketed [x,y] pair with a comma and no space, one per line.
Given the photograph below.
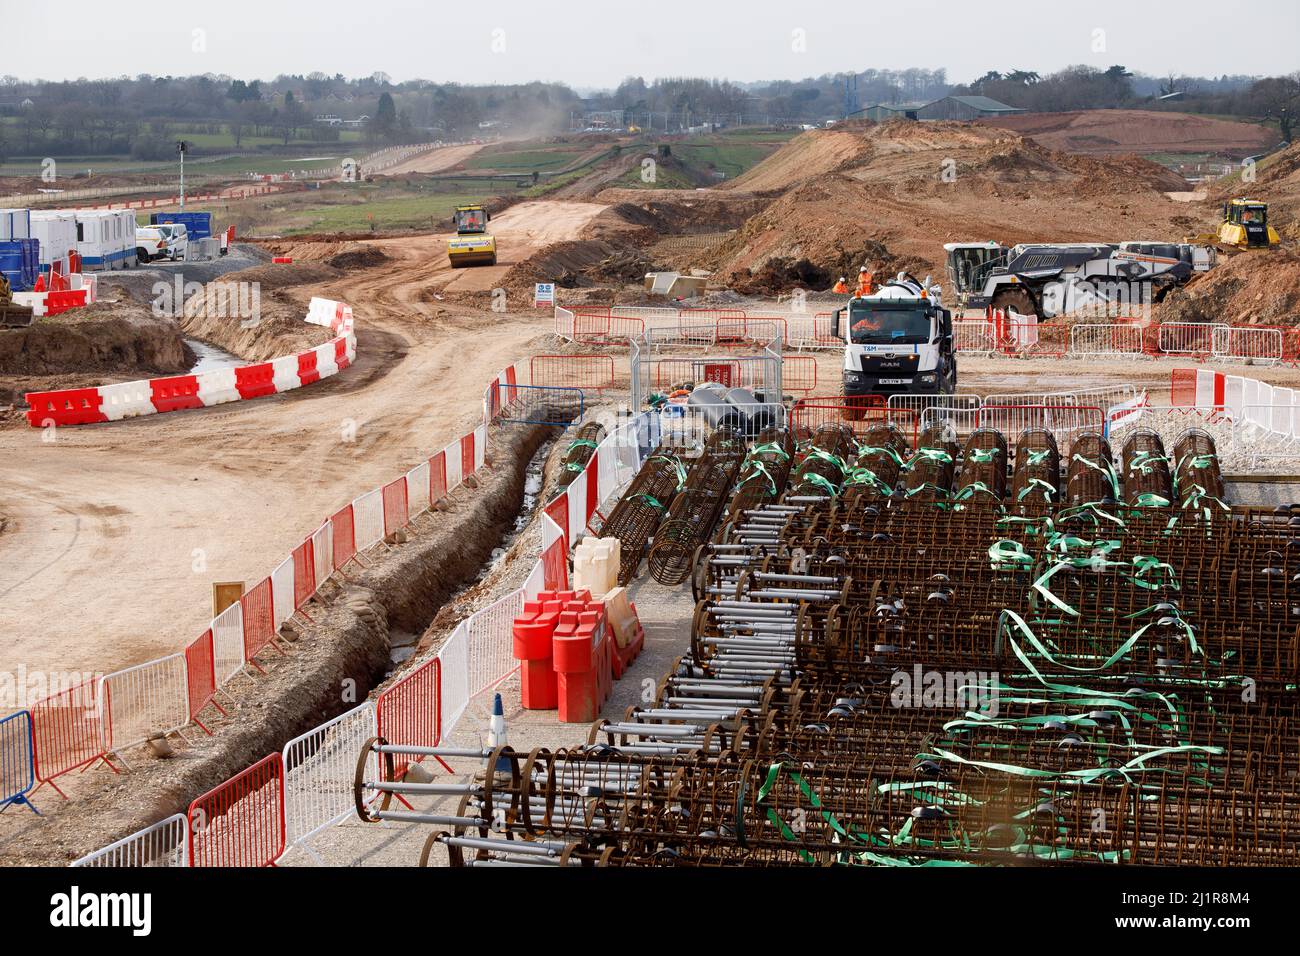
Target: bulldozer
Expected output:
[1244,226]
[472,245]
[12,316]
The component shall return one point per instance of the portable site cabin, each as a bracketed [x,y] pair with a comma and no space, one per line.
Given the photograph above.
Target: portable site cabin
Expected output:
[57,231]
[106,238]
[15,224]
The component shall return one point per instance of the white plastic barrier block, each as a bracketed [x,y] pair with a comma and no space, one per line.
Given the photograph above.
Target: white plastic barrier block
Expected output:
[34,300]
[217,386]
[126,400]
[325,363]
[284,372]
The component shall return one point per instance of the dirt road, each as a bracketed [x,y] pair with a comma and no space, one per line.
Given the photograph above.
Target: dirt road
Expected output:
[434,161]
[112,534]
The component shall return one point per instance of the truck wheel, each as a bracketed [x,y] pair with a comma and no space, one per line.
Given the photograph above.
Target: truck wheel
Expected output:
[1015,300]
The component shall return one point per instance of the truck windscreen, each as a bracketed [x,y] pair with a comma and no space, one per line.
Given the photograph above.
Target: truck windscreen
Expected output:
[869,326]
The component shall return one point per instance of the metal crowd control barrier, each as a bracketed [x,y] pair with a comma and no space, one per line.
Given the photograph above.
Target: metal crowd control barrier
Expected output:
[318,766]
[17,761]
[165,844]
[240,822]
[540,405]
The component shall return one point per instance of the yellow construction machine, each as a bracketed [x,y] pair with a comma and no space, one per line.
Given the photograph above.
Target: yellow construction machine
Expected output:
[472,246]
[1244,226]
[13,316]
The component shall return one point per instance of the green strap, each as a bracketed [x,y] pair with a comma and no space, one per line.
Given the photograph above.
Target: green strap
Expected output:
[828,457]
[817,480]
[984,455]
[1007,551]
[885,450]
[1108,471]
[1048,489]
[650,500]
[769,448]
[677,466]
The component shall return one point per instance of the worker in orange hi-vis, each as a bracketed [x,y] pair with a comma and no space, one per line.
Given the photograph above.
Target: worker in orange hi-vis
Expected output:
[866,282]
[841,287]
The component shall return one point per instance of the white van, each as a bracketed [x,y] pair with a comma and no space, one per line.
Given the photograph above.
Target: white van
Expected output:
[161,242]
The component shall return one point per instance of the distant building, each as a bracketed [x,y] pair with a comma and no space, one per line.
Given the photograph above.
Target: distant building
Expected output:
[884,112]
[965,108]
[945,108]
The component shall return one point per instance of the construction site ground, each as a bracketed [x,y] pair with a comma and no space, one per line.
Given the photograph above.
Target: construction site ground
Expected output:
[111,535]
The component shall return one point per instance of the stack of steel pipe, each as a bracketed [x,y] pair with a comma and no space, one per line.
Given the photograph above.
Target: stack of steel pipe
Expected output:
[695,511]
[580,451]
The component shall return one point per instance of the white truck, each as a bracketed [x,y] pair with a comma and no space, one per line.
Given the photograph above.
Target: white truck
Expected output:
[897,340]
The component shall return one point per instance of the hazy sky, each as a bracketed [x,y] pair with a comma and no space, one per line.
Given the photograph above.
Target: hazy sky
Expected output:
[593,44]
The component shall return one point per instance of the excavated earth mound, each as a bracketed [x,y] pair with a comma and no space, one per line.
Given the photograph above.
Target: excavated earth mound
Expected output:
[1108,132]
[1247,288]
[913,186]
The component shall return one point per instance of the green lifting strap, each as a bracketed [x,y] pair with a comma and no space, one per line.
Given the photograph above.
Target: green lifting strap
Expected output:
[828,457]
[769,448]
[677,466]
[1108,471]
[815,479]
[1048,489]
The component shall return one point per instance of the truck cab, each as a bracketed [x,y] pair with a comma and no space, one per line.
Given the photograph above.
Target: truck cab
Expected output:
[897,340]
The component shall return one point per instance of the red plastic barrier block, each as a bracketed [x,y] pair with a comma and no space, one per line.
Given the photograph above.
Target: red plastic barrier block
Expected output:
[307,371]
[341,353]
[282,260]
[175,393]
[57,302]
[253,381]
[259,619]
[71,406]
[533,632]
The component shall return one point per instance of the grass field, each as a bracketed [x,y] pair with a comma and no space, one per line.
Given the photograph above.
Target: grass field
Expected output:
[524,159]
[703,157]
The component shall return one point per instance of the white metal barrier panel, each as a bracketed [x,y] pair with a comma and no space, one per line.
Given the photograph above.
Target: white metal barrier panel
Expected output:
[143,700]
[166,843]
[974,336]
[454,658]
[1105,340]
[491,642]
[1187,338]
[318,772]
[282,593]
[228,642]
[368,516]
[1237,342]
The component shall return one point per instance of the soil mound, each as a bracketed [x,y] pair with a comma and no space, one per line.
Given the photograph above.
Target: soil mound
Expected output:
[1111,132]
[1248,288]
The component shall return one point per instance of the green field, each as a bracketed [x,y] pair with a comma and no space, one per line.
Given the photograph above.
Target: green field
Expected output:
[524,161]
[701,157]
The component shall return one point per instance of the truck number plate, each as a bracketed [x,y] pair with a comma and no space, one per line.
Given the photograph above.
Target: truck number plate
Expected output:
[895,381]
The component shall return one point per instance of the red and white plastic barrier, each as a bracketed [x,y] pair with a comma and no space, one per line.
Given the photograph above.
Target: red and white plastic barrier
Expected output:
[110,403]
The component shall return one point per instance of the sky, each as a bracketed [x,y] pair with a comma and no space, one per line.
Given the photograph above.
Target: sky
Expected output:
[594,45]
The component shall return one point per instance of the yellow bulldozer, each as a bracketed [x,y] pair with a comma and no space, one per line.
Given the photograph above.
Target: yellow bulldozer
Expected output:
[471,246]
[1244,226]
